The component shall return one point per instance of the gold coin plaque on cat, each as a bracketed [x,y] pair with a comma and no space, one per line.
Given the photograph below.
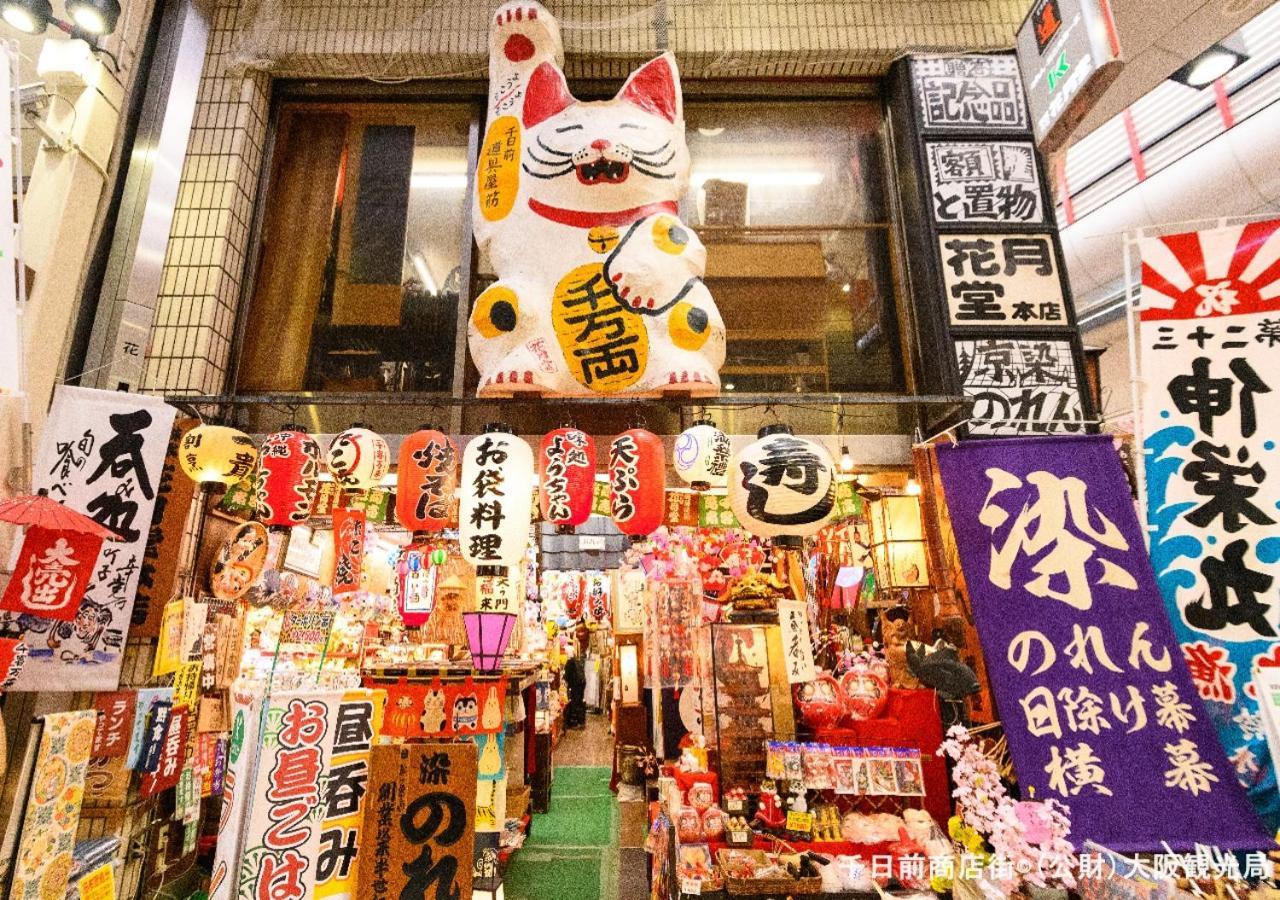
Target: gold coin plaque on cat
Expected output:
[599,286]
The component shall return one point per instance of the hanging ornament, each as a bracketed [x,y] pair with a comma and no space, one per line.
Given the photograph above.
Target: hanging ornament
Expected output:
[637,482]
[438,556]
[427,477]
[358,458]
[567,477]
[286,481]
[350,527]
[239,562]
[416,583]
[701,456]
[216,454]
[496,499]
[782,486]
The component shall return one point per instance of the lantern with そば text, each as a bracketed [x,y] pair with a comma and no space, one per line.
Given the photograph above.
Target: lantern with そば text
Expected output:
[701,456]
[637,482]
[287,478]
[782,486]
[216,454]
[426,478]
[358,458]
[567,477]
[495,500]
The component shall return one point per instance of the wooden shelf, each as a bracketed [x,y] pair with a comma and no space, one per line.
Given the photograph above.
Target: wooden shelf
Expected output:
[773,370]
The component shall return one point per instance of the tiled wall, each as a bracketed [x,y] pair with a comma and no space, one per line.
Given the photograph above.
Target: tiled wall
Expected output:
[396,39]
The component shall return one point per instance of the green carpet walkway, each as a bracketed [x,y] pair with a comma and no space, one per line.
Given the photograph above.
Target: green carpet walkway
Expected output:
[572,853]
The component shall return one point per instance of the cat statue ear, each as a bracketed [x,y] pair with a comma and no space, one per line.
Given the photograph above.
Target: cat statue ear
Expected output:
[655,88]
[546,95]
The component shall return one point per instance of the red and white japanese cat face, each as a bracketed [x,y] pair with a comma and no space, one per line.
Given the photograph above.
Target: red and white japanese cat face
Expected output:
[611,154]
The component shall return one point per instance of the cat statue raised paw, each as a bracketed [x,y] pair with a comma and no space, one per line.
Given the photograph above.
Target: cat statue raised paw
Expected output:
[599,286]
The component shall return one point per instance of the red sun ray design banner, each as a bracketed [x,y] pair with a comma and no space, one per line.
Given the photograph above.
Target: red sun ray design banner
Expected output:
[1209,344]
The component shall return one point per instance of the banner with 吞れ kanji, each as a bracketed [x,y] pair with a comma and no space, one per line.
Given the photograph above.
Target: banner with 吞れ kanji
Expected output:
[1209,334]
[101,453]
[1099,709]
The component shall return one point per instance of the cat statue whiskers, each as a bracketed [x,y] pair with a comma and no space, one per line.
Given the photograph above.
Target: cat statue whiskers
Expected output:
[599,284]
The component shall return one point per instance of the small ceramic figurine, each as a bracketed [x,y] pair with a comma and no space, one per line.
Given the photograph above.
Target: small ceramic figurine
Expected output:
[688,825]
[701,796]
[713,820]
[769,815]
[895,625]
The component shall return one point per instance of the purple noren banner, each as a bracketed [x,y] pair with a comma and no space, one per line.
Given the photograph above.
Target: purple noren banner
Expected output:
[1092,688]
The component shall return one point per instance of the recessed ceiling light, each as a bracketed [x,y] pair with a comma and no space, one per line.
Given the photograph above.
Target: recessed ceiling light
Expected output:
[1208,67]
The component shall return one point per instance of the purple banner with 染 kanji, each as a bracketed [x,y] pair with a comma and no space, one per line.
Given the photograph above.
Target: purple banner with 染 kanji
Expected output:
[1100,711]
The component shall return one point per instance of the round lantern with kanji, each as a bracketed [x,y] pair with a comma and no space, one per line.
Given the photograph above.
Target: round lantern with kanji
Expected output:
[637,482]
[701,456]
[495,500]
[566,477]
[216,454]
[287,478]
[359,458]
[782,486]
[426,479]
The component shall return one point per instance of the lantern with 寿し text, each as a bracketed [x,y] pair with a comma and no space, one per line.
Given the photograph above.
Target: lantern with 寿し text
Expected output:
[566,477]
[426,479]
[897,542]
[216,454]
[637,482]
[358,458]
[495,501]
[782,486]
[287,478]
[701,456]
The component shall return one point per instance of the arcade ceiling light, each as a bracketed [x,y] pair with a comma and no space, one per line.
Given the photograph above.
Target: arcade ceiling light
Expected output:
[1209,66]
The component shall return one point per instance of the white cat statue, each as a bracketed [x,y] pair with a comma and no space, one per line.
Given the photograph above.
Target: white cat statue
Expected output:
[599,286]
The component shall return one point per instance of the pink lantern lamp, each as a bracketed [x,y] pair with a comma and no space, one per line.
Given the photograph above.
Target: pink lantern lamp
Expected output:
[488,634]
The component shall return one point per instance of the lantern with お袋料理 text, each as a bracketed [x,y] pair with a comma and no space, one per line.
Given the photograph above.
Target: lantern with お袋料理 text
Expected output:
[495,501]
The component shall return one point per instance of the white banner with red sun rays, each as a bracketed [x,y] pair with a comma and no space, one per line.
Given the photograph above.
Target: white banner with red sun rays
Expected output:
[1209,316]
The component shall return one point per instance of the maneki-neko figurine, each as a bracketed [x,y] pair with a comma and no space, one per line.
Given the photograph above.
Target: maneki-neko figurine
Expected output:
[770,815]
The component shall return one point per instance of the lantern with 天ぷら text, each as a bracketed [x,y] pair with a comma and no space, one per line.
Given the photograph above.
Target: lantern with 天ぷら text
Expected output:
[287,478]
[637,482]
[701,456]
[495,499]
[566,477]
[426,478]
[216,454]
[782,486]
[358,458]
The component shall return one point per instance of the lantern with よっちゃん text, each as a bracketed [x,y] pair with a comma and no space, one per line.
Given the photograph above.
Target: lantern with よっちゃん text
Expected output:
[701,456]
[566,477]
[426,479]
[782,486]
[216,454]
[287,478]
[358,458]
[637,482]
[495,500]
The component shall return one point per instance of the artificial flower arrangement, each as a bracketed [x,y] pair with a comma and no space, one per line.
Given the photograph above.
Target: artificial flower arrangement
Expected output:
[1009,842]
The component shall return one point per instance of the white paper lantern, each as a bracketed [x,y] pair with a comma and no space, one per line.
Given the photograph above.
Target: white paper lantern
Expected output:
[496,499]
[358,458]
[782,486]
[701,456]
[216,454]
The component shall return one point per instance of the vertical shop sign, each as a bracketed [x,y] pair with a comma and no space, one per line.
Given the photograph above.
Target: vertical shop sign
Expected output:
[115,722]
[158,580]
[995,309]
[420,828]
[348,549]
[172,752]
[101,454]
[53,570]
[797,647]
[346,792]
[237,785]
[42,859]
[1100,711]
[1210,338]
[148,699]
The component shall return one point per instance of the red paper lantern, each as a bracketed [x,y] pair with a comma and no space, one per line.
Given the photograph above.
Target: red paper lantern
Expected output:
[287,479]
[637,481]
[566,476]
[427,476]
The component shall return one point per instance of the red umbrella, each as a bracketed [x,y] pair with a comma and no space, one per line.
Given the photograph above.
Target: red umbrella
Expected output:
[43,512]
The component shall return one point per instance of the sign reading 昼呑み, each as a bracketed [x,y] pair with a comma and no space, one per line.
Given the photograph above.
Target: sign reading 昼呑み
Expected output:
[1210,340]
[101,454]
[1100,711]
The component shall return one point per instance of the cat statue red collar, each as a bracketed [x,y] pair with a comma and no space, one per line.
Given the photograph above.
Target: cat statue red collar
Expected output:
[599,286]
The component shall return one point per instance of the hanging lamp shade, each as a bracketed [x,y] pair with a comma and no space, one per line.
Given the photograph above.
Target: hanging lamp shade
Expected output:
[782,486]
[216,454]
[426,479]
[701,456]
[488,634]
[495,501]
[358,458]
[287,477]
[566,476]
[637,482]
